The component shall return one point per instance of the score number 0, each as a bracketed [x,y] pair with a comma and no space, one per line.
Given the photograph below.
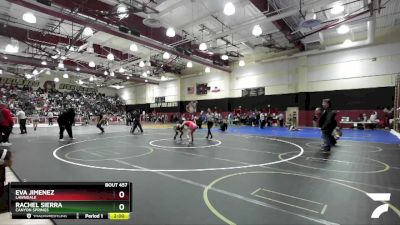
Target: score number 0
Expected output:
[121,194]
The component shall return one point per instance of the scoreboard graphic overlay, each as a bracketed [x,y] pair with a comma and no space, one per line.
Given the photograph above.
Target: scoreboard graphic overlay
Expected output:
[65,200]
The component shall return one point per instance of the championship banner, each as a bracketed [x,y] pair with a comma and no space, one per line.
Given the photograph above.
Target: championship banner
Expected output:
[73,87]
[253,92]
[164,105]
[19,82]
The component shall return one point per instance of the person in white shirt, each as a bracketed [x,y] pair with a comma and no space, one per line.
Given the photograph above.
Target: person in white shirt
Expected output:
[50,116]
[373,119]
[22,121]
[35,119]
[262,120]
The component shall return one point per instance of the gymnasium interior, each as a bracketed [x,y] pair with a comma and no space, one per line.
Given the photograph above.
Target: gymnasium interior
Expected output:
[200,112]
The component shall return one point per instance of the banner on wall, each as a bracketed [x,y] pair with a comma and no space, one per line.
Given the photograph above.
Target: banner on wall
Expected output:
[164,105]
[190,90]
[73,87]
[248,92]
[202,89]
[159,99]
[216,89]
[19,82]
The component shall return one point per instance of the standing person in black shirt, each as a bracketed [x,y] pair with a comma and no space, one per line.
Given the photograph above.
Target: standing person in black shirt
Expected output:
[327,123]
[136,121]
[65,121]
[210,117]
[100,122]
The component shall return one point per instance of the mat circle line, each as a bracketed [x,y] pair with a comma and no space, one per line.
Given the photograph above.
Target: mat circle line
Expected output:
[228,221]
[379,149]
[177,147]
[151,150]
[55,155]
[386,166]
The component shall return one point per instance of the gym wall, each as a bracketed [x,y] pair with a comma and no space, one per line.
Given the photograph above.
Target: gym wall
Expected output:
[355,79]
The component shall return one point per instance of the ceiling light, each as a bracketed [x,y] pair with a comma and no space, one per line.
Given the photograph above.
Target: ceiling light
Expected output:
[91,78]
[61,65]
[257,30]
[141,64]
[28,76]
[128,78]
[110,56]
[112,73]
[133,47]
[122,12]
[105,72]
[56,79]
[29,17]
[48,72]
[224,57]
[242,63]
[65,75]
[189,64]
[44,63]
[166,55]
[203,46]
[1,71]
[116,86]
[121,70]
[146,81]
[87,31]
[229,9]
[347,43]
[5,57]
[170,32]
[144,74]
[11,48]
[92,64]
[207,69]
[337,8]
[343,29]
[35,72]
[163,78]
[78,69]
[148,63]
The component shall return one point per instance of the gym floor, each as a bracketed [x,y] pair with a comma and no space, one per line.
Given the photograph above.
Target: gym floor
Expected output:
[243,176]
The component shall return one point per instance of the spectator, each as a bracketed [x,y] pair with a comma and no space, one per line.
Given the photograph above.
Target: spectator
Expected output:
[317,113]
[6,123]
[22,121]
[373,119]
[262,120]
[281,119]
[50,117]
[230,118]
[35,119]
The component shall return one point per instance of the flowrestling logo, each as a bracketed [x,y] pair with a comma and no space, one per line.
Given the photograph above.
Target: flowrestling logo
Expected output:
[382,208]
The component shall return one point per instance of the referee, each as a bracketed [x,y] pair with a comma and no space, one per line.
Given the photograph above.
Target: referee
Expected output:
[136,122]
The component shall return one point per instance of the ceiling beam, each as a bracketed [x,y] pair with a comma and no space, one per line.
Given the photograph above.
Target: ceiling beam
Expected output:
[48,39]
[270,17]
[99,26]
[69,65]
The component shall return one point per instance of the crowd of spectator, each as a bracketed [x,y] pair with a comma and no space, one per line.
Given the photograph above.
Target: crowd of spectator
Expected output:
[43,102]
